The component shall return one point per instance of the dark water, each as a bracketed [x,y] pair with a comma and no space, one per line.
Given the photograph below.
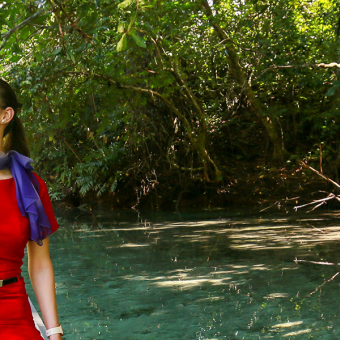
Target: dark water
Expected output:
[198,276]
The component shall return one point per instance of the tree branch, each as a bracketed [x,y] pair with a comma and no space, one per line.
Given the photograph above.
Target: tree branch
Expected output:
[73,23]
[173,70]
[319,173]
[70,147]
[320,65]
[141,90]
[240,77]
[196,140]
[8,34]
[323,200]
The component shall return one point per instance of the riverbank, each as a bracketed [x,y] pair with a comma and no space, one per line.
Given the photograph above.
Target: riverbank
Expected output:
[261,188]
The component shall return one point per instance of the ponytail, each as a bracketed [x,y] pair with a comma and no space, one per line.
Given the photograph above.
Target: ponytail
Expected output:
[15,137]
[14,134]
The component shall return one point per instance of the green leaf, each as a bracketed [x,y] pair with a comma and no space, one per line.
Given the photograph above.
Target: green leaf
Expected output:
[57,51]
[70,54]
[15,58]
[139,40]
[122,44]
[37,57]
[332,90]
[2,21]
[125,3]
[132,21]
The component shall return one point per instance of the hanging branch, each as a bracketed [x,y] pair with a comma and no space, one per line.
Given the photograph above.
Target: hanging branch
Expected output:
[8,34]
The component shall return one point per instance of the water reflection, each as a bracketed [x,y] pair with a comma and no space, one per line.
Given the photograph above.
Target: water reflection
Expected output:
[221,278]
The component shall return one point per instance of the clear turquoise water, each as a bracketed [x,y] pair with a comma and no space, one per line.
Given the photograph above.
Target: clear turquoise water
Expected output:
[197,276]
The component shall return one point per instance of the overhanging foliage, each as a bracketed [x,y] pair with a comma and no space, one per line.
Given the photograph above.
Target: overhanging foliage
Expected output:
[135,91]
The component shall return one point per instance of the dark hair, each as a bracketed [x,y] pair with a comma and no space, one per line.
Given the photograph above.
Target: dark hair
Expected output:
[14,134]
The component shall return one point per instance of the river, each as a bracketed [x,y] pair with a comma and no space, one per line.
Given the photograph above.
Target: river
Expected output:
[198,275]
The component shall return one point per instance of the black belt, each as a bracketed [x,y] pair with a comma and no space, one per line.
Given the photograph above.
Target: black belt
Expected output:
[8,281]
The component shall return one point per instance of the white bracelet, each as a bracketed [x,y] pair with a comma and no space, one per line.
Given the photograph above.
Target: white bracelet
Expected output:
[55,330]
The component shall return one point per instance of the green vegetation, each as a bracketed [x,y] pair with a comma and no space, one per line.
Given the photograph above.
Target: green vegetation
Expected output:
[159,99]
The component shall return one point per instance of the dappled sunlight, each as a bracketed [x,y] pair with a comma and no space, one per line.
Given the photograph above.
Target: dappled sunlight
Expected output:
[228,275]
[132,245]
[309,219]
[287,324]
[260,267]
[187,284]
[181,281]
[252,276]
[276,296]
[217,236]
[303,331]
[137,228]
[186,270]
[87,236]
[255,246]
[280,328]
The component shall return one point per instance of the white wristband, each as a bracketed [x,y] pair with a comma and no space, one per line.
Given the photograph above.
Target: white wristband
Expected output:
[55,330]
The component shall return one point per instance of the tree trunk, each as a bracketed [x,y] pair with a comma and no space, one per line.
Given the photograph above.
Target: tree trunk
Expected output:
[239,75]
[197,136]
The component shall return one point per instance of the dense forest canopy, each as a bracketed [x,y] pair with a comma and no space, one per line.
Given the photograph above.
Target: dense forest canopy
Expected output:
[163,97]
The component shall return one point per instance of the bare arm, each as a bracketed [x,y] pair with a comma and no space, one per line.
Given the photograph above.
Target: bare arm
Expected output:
[42,277]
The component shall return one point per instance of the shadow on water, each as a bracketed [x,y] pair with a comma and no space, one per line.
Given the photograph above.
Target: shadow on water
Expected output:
[198,276]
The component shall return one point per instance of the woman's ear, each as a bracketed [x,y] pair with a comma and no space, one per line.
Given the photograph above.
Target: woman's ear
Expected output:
[6,115]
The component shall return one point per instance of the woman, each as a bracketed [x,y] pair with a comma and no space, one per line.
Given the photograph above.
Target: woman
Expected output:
[26,218]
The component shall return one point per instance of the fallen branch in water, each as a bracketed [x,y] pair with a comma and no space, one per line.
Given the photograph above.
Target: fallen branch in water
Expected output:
[317,202]
[317,288]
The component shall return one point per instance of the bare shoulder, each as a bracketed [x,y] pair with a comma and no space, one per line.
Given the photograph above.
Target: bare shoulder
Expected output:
[5,174]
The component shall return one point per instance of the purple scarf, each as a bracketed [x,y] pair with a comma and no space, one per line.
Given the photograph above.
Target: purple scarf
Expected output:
[27,191]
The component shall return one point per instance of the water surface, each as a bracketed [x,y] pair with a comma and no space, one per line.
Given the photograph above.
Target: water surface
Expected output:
[210,276]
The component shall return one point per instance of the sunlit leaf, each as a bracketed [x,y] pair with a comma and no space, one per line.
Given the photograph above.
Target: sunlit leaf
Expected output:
[146,4]
[122,44]
[125,3]
[132,21]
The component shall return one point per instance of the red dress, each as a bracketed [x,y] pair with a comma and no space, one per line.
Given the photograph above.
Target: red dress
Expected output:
[16,322]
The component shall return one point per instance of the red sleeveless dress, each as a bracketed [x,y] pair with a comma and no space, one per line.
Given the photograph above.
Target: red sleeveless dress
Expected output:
[16,321]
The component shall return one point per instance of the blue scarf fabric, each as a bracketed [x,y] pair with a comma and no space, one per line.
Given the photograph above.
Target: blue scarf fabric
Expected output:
[27,191]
